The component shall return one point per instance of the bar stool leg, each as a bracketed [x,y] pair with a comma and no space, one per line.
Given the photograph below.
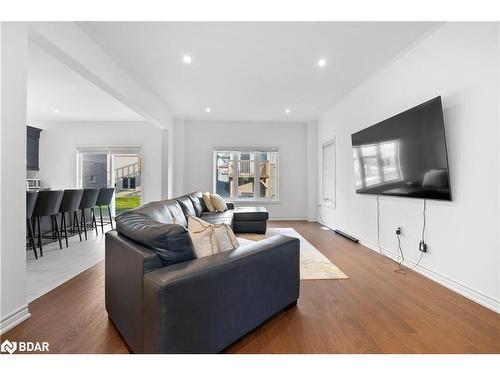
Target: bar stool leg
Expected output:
[39,235]
[57,231]
[32,237]
[94,221]
[64,227]
[102,225]
[110,218]
[84,224]
[75,218]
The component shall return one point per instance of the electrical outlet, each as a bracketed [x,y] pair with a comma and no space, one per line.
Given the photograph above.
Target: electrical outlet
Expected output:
[398,231]
[422,246]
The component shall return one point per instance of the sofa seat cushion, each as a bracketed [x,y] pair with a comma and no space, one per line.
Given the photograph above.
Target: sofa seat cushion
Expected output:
[218,217]
[171,242]
[250,214]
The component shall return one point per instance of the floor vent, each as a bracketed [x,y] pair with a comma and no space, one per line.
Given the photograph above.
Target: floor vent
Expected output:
[348,236]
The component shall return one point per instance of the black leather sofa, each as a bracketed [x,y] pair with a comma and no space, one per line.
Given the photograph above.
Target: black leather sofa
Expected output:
[164,300]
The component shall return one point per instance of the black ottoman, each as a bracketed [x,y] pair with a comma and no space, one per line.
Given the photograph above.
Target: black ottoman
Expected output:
[250,220]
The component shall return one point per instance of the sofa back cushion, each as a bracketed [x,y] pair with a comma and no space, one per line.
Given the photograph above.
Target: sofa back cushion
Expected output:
[186,205]
[158,211]
[175,209]
[197,201]
[171,242]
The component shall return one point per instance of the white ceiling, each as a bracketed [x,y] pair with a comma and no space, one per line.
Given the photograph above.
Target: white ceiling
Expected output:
[53,86]
[253,71]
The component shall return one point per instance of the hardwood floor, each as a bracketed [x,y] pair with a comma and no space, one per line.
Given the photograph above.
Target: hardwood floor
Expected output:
[374,311]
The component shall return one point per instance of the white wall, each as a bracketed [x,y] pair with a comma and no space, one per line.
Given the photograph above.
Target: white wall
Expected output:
[58,142]
[200,138]
[13,64]
[312,171]
[460,62]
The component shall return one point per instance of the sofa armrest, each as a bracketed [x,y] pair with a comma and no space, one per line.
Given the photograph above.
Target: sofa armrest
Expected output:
[125,264]
[230,205]
[203,305]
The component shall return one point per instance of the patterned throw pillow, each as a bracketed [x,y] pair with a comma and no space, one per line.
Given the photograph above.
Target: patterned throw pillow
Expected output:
[225,239]
[203,237]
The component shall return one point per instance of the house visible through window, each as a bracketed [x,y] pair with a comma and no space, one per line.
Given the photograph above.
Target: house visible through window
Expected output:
[246,174]
[328,174]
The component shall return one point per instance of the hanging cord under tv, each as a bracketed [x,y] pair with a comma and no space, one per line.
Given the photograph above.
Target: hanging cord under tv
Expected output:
[402,269]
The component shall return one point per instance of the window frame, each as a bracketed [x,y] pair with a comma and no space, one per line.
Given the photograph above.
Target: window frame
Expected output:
[238,151]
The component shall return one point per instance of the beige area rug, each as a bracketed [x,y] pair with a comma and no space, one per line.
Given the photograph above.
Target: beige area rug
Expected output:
[313,264]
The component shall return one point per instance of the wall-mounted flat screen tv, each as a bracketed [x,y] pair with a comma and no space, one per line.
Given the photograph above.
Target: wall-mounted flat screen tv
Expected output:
[404,155]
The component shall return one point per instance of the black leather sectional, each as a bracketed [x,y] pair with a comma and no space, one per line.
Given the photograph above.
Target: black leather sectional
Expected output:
[164,300]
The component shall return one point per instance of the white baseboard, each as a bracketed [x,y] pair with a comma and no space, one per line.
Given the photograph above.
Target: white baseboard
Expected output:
[14,318]
[288,218]
[458,287]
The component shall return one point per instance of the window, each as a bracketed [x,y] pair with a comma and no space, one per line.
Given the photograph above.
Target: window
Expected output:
[246,174]
[118,167]
[328,174]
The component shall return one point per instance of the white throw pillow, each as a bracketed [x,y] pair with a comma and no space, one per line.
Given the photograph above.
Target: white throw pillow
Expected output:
[224,235]
[208,202]
[226,240]
[218,202]
[203,237]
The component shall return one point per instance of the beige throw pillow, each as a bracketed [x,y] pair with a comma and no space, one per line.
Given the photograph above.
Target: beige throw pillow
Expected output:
[208,202]
[226,240]
[203,237]
[218,202]
[224,235]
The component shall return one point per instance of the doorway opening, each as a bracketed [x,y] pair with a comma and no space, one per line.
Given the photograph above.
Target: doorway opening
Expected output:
[120,168]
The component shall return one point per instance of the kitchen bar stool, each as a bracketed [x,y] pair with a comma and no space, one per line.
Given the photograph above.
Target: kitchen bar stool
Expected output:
[69,206]
[89,199]
[104,199]
[30,207]
[47,204]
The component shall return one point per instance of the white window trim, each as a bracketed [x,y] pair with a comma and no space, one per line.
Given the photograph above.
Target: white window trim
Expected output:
[333,202]
[248,149]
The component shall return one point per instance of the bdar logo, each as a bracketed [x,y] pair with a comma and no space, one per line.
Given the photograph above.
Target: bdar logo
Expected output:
[24,346]
[9,347]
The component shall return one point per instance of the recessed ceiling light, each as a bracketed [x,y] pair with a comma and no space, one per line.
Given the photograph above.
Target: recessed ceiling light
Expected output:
[186,59]
[321,63]
[56,110]
[287,111]
[208,109]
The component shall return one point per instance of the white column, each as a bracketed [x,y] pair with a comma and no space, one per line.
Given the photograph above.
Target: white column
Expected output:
[165,163]
[312,171]
[178,176]
[13,66]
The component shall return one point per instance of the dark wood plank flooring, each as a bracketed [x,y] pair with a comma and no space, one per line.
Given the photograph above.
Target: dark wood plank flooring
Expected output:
[374,311]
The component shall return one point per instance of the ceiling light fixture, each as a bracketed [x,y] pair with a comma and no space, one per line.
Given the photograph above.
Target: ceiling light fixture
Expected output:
[321,63]
[208,110]
[287,111]
[56,110]
[186,59]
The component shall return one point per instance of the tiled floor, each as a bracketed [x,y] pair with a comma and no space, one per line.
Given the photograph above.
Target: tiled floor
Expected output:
[58,266]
